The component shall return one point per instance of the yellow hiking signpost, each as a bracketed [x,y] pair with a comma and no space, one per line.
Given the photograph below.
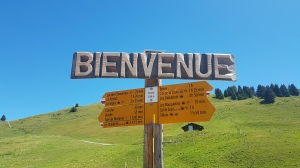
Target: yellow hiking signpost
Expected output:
[155,105]
[176,103]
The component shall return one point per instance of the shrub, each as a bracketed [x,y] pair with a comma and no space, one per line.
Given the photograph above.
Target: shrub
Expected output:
[73,109]
[3,118]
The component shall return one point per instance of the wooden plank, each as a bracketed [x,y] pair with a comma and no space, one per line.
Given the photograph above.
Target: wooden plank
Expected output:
[148,145]
[158,146]
[153,65]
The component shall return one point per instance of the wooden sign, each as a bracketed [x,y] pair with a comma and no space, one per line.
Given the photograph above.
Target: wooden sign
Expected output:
[185,102]
[119,116]
[153,66]
[184,91]
[187,110]
[124,97]
[123,108]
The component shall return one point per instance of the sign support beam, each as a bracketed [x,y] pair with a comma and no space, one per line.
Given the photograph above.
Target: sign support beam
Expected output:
[153,135]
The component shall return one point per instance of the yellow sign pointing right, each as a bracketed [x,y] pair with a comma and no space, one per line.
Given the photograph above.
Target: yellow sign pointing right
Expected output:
[187,110]
[184,91]
[185,103]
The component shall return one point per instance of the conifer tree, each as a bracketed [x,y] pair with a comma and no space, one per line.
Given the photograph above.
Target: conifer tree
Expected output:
[229,91]
[241,94]
[260,91]
[293,90]
[277,91]
[252,90]
[269,96]
[248,91]
[234,89]
[219,94]
[272,87]
[225,93]
[233,96]
[285,92]
[216,92]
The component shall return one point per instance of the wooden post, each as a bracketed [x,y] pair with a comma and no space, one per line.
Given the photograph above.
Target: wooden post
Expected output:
[148,146]
[158,146]
[153,136]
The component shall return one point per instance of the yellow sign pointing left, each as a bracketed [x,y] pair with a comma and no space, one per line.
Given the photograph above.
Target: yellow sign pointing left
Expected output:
[123,108]
[119,116]
[124,97]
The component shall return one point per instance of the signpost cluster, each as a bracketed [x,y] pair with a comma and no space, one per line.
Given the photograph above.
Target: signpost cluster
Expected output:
[160,104]
[155,104]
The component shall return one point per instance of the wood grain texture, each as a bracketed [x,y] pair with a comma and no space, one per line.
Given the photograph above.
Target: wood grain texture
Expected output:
[158,146]
[153,66]
[153,148]
[148,146]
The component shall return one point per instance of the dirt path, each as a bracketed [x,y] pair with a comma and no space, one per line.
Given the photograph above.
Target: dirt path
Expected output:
[104,144]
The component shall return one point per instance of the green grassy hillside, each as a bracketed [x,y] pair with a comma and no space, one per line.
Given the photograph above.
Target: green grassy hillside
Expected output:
[241,134]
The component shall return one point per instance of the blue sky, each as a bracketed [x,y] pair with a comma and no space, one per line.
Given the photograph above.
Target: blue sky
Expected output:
[38,39]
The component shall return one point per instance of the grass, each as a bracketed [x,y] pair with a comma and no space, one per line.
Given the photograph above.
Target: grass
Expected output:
[241,134]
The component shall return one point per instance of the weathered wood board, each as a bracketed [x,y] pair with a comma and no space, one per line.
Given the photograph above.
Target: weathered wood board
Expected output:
[153,66]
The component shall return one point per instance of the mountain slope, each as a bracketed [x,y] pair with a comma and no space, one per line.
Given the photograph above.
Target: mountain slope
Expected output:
[240,134]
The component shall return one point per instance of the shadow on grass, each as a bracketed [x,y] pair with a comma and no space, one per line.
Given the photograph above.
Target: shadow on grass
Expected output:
[266,102]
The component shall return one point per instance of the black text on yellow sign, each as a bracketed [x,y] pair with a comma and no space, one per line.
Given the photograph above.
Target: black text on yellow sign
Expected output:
[125,97]
[176,103]
[120,116]
[188,110]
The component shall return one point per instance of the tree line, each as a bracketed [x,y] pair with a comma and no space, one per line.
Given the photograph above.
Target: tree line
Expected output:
[268,93]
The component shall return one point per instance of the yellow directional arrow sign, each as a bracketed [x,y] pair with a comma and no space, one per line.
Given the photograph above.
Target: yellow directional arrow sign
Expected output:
[185,103]
[124,97]
[189,110]
[120,116]
[184,91]
[176,103]
[123,108]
